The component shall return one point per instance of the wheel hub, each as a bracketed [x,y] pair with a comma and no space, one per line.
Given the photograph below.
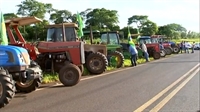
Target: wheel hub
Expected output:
[1,89]
[175,49]
[69,75]
[25,84]
[96,64]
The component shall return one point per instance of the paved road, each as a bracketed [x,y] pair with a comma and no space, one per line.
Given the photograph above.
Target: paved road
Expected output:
[123,91]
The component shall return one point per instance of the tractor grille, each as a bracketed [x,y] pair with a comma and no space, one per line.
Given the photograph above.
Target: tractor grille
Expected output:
[26,58]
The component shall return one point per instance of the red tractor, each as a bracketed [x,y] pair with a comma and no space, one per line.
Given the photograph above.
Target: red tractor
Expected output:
[152,48]
[95,55]
[61,57]
[167,46]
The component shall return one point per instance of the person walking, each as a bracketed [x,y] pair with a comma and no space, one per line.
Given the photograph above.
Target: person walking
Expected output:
[133,51]
[144,50]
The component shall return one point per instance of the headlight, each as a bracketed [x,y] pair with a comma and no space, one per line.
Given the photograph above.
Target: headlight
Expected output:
[21,58]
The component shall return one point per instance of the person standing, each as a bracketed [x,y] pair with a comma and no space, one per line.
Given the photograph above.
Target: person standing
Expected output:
[193,44]
[133,51]
[186,47]
[144,50]
[181,46]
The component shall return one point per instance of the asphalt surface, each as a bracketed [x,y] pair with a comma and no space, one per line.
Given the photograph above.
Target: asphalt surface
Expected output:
[123,91]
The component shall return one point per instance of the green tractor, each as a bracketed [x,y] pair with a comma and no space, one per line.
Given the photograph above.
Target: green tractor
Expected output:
[114,49]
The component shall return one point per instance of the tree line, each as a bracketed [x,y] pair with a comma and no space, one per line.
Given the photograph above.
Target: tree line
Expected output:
[100,19]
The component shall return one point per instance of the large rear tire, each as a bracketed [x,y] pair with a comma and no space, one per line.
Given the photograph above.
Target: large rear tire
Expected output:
[168,50]
[7,88]
[69,75]
[119,58]
[30,85]
[176,49]
[96,63]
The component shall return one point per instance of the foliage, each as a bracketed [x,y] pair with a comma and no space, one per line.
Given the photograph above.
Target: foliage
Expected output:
[59,16]
[144,25]
[99,18]
[102,18]
[34,8]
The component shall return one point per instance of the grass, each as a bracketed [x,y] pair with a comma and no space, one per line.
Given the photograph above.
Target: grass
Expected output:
[189,40]
[50,77]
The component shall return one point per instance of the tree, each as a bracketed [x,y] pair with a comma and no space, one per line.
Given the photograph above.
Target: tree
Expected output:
[177,27]
[60,16]
[138,20]
[102,18]
[173,30]
[34,8]
[125,31]
[149,28]
[37,31]
[9,15]
[176,35]
[183,35]
[115,28]
[84,13]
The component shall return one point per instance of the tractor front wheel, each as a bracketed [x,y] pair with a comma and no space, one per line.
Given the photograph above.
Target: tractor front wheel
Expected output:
[119,58]
[168,50]
[163,52]
[31,85]
[156,55]
[7,87]
[96,63]
[69,75]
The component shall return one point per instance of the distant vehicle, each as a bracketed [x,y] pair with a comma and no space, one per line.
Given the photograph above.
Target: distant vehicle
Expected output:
[197,46]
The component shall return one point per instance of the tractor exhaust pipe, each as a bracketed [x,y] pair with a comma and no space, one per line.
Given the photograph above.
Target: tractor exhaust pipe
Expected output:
[91,35]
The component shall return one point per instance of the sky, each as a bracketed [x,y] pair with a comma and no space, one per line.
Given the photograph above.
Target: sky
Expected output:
[162,12]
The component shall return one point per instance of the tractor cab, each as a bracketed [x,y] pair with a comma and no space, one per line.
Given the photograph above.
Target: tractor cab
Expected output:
[62,32]
[146,39]
[111,38]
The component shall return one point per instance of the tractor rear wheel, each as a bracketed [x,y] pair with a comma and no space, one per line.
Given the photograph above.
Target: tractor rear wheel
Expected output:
[30,85]
[176,49]
[156,55]
[69,75]
[163,52]
[119,58]
[96,63]
[7,87]
[168,50]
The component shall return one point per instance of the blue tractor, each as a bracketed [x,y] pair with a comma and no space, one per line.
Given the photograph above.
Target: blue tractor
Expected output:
[17,72]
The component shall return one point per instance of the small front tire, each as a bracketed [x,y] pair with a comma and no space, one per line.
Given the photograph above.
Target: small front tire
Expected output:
[69,75]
